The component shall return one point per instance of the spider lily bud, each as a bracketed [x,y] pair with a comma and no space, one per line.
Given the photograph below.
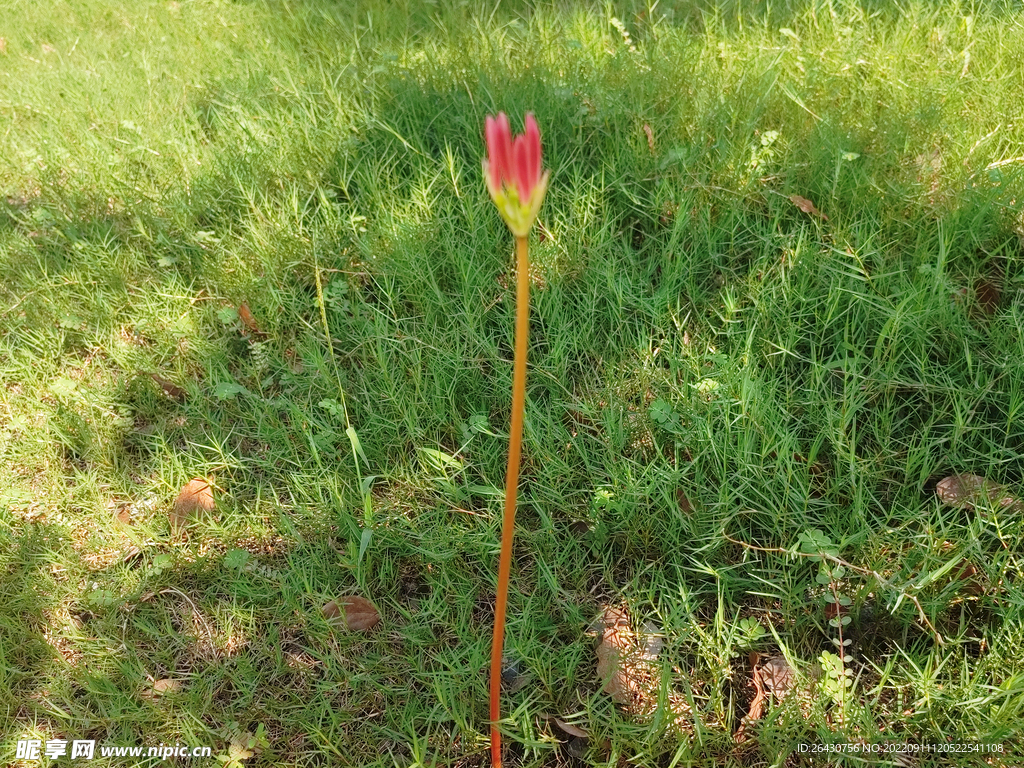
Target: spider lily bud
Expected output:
[513,173]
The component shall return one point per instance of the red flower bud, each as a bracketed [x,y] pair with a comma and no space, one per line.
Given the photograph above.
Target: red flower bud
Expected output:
[513,172]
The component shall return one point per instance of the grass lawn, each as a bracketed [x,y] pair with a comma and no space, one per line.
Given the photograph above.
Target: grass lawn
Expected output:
[778,296]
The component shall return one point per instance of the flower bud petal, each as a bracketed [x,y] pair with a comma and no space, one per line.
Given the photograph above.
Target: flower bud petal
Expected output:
[513,172]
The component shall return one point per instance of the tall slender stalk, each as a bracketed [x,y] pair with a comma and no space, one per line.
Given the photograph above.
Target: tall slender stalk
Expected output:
[515,436]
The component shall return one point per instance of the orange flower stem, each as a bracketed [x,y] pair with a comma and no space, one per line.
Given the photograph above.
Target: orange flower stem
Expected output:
[515,436]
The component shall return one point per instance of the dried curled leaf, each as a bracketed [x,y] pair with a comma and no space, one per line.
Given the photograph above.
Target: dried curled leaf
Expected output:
[650,137]
[612,656]
[971,490]
[354,613]
[571,729]
[245,315]
[773,677]
[806,206]
[624,657]
[195,496]
[625,665]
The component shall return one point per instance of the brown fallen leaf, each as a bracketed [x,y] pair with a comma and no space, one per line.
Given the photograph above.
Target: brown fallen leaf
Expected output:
[170,389]
[626,666]
[777,676]
[571,729]
[806,206]
[577,741]
[162,687]
[650,137]
[774,677]
[966,491]
[613,667]
[195,496]
[756,711]
[354,613]
[245,315]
